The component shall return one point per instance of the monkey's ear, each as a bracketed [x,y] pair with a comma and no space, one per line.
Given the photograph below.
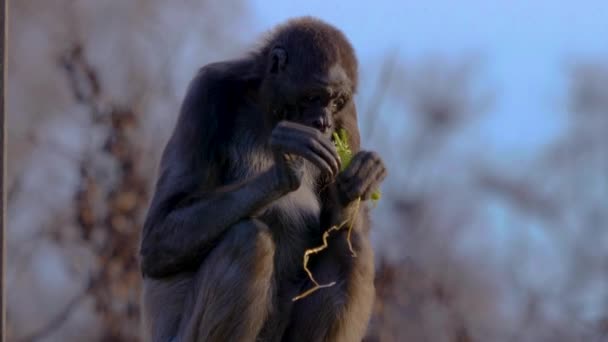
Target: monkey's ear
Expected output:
[278,60]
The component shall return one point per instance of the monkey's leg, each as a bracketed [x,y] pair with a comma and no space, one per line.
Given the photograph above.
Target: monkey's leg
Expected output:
[232,288]
[339,313]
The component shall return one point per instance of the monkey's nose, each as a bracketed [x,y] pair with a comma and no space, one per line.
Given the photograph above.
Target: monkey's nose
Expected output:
[321,124]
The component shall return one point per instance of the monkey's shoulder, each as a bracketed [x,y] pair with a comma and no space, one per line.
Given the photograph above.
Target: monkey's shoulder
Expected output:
[238,73]
[246,158]
[298,211]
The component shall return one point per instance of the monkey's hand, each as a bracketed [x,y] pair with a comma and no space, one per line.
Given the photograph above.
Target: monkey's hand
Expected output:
[361,178]
[292,143]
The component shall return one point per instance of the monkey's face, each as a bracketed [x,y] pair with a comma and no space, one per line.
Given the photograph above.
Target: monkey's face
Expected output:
[311,98]
[316,107]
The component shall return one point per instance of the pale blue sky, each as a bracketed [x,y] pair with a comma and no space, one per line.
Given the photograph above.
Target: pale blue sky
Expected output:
[526,46]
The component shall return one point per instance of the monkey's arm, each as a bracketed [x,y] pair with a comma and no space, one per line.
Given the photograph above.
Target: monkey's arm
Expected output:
[344,200]
[335,213]
[191,209]
[177,237]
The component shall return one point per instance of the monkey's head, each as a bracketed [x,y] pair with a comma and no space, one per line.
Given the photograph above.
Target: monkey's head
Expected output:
[310,73]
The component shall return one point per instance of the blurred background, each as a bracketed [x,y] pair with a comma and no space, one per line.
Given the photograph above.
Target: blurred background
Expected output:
[491,117]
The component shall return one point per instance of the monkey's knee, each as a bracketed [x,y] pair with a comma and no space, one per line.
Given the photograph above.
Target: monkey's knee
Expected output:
[234,286]
[251,247]
[256,233]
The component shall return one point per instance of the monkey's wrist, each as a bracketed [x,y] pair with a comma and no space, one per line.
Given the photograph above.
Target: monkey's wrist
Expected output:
[349,211]
[275,183]
[285,179]
[345,202]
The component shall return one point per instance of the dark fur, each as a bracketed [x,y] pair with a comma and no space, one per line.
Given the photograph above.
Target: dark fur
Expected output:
[226,231]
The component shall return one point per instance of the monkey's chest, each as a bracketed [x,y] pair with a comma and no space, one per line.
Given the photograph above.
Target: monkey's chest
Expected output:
[295,216]
[294,219]
[294,222]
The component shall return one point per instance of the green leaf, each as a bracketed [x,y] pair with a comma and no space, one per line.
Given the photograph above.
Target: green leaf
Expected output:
[346,155]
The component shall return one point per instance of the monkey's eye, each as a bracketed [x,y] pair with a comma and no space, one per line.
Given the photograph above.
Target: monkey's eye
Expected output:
[338,103]
[313,99]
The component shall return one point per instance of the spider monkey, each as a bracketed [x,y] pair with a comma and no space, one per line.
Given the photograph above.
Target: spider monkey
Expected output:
[247,182]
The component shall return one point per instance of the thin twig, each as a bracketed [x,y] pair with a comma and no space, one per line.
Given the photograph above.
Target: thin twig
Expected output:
[57,321]
[384,81]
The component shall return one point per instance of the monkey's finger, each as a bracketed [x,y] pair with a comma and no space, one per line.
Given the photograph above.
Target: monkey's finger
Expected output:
[370,165]
[375,182]
[363,164]
[294,147]
[367,168]
[334,152]
[296,126]
[313,136]
[353,167]
[314,146]
[293,128]
[329,152]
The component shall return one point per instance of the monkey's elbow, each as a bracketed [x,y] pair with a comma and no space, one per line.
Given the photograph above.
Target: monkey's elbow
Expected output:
[154,264]
[146,262]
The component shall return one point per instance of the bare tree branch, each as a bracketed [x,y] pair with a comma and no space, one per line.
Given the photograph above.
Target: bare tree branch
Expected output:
[57,321]
[384,81]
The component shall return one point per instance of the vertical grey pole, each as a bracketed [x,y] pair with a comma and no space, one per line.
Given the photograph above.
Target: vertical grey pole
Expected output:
[3,61]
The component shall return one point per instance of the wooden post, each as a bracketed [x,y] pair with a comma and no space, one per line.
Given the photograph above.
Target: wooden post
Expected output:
[3,61]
